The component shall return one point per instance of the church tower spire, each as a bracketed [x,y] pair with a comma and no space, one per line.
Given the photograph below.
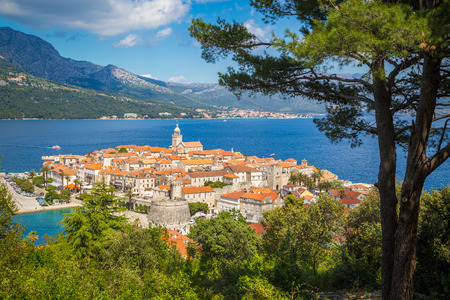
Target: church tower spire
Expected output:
[177,137]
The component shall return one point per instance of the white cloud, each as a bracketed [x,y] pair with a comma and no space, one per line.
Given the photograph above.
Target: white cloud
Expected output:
[178,79]
[150,76]
[260,32]
[130,41]
[208,1]
[103,17]
[163,34]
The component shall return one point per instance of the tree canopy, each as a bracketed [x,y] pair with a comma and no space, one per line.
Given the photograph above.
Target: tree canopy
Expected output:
[402,50]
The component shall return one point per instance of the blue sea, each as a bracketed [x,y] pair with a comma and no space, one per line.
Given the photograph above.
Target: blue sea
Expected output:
[23,142]
[46,222]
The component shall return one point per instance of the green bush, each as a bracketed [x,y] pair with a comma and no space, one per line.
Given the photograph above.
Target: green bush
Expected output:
[38,181]
[26,186]
[65,195]
[52,195]
[82,196]
[216,184]
[197,206]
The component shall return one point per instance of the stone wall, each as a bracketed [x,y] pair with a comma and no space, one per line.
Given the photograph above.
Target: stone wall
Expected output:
[169,213]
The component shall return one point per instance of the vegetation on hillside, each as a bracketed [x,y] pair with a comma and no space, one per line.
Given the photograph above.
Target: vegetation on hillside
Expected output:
[26,96]
[305,250]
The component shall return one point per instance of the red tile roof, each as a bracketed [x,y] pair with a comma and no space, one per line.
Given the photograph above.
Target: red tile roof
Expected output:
[234,195]
[258,228]
[197,189]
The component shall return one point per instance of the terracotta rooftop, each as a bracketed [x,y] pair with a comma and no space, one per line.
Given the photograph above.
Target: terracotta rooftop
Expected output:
[197,189]
[234,195]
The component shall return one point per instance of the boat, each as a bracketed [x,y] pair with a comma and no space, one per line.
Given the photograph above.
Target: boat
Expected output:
[56,147]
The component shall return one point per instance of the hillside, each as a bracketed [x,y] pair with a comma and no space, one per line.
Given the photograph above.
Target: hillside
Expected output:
[40,58]
[23,95]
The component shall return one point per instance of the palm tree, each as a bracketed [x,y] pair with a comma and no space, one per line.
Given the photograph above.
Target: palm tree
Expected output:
[44,171]
[62,174]
[32,174]
[32,236]
[129,195]
[67,178]
[317,176]
[77,183]
[294,178]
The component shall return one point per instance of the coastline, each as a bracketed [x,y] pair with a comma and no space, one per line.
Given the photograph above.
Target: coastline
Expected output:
[28,205]
[46,208]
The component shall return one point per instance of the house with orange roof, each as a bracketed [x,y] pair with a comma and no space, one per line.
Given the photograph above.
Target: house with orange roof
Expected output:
[117,179]
[177,240]
[129,164]
[224,156]
[147,163]
[191,164]
[340,194]
[106,159]
[247,174]
[161,192]
[141,183]
[258,227]
[108,151]
[304,194]
[70,160]
[203,194]
[289,188]
[90,173]
[167,175]
[199,178]
[230,178]
[126,155]
[163,164]
[130,148]
[205,153]
[254,204]
[230,201]
[350,202]
[59,173]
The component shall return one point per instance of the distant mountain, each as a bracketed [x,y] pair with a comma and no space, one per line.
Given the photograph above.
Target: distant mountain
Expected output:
[40,58]
[217,95]
[23,95]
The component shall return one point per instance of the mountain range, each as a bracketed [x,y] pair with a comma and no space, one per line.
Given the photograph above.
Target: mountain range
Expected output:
[40,58]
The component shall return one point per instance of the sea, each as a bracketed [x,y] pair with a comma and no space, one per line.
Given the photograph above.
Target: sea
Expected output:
[24,142]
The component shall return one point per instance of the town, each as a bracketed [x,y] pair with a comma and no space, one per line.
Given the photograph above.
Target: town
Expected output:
[159,178]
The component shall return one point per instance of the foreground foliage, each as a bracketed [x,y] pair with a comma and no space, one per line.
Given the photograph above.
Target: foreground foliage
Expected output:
[305,249]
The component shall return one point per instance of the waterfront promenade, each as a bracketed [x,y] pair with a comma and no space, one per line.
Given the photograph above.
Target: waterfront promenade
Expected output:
[30,204]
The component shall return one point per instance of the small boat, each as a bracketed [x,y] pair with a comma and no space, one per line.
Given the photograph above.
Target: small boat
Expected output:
[56,147]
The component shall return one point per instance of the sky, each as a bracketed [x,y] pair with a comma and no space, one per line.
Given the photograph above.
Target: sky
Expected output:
[145,37]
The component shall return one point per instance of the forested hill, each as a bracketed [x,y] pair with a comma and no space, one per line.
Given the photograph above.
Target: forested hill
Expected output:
[23,95]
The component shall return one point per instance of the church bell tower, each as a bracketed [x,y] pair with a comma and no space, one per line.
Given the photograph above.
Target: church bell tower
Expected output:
[177,138]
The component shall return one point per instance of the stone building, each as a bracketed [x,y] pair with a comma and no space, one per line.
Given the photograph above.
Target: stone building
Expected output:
[169,213]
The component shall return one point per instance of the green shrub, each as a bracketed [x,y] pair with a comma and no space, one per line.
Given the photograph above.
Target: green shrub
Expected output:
[197,206]
[38,181]
[65,195]
[52,195]
[26,186]
[216,184]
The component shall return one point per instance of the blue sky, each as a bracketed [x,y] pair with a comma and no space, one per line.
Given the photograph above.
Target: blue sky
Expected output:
[142,36]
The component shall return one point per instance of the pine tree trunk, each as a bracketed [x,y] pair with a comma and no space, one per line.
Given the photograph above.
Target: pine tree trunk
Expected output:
[386,176]
[417,170]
